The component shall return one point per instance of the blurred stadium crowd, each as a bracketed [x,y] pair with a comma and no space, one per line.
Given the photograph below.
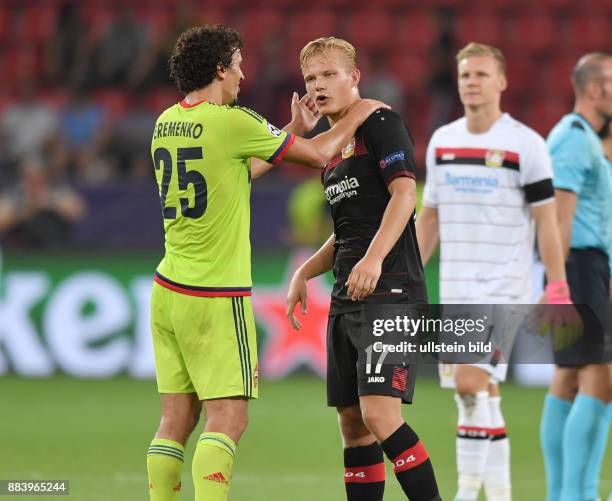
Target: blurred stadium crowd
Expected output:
[83,82]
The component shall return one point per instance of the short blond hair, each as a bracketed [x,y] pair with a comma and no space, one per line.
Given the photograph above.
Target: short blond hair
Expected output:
[324,45]
[474,49]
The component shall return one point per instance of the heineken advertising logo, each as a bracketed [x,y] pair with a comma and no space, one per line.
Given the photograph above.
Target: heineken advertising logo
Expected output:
[95,323]
[89,326]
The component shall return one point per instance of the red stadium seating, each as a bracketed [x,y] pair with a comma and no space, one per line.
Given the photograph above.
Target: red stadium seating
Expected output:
[370,29]
[501,6]
[304,26]
[555,5]
[511,105]
[596,7]
[38,23]
[161,98]
[522,74]
[208,15]
[158,20]
[257,25]
[5,23]
[453,4]
[555,77]
[54,97]
[250,64]
[415,31]
[410,70]
[338,5]
[24,60]
[589,33]
[6,100]
[97,18]
[542,40]
[114,101]
[221,5]
[542,114]
[533,33]
[480,27]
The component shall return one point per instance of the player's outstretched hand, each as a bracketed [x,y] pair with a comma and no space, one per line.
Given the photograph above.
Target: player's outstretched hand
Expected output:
[298,293]
[363,108]
[304,113]
[363,278]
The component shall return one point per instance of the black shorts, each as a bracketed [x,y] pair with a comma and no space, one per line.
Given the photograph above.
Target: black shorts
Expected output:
[588,276]
[356,367]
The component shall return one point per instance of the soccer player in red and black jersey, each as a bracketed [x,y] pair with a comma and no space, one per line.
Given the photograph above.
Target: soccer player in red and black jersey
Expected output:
[373,252]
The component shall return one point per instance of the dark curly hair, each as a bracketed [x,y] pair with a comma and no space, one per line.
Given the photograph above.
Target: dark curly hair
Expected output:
[198,52]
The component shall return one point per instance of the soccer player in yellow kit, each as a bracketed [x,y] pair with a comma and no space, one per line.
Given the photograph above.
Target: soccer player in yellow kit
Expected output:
[201,317]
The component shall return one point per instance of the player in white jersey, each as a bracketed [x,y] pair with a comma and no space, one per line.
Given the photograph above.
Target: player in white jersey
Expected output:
[489,185]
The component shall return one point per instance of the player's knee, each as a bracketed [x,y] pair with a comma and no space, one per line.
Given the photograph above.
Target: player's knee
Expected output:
[237,426]
[465,400]
[472,407]
[175,426]
[470,380]
[468,386]
[230,422]
[197,413]
[593,381]
[380,423]
[565,383]
[178,416]
[351,425]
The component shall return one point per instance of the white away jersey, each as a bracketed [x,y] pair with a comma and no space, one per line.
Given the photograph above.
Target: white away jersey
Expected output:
[483,186]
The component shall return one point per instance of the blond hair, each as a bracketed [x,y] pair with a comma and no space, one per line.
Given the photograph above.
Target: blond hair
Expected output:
[474,49]
[324,45]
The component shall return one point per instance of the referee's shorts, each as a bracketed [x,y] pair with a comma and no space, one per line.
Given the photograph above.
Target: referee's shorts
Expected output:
[588,276]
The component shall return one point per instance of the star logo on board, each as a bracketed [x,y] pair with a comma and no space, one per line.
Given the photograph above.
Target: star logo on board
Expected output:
[285,349]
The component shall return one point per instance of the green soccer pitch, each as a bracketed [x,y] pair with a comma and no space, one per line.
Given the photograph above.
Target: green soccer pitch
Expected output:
[95,434]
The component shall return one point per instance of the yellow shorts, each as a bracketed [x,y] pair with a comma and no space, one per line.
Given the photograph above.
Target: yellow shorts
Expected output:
[205,345]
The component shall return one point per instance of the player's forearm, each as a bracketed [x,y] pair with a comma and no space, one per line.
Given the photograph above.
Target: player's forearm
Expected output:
[320,262]
[565,217]
[427,231]
[397,214]
[316,152]
[566,202]
[552,256]
[330,142]
[295,127]
[549,242]
[565,236]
